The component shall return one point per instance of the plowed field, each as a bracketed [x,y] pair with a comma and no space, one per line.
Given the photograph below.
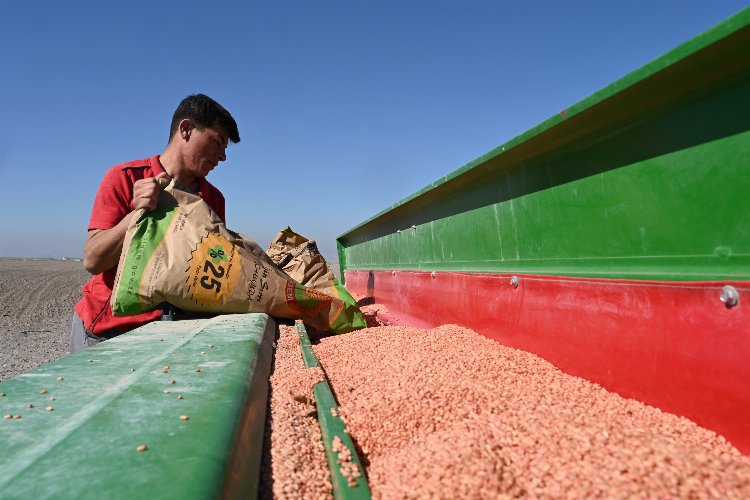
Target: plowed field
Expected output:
[36,301]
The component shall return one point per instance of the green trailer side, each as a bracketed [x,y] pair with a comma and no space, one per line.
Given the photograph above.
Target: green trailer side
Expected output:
[84,417]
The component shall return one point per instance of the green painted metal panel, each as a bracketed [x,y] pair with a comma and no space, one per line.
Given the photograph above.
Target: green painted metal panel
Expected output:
[103,410]
[647,179]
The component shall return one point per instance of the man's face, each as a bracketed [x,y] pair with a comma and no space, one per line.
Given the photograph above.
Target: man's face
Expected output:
[205,149]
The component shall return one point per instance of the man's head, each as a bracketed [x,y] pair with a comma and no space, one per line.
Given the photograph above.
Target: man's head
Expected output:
[203,112]
[201,129]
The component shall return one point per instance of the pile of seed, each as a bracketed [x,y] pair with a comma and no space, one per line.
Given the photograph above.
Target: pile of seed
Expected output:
[448,413]
[294,463]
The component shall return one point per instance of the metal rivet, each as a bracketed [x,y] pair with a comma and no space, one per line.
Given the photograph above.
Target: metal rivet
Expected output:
[432,274]
[730,296]
[514,281]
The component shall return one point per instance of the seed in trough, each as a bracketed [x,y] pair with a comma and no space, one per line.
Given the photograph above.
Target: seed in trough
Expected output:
[8,417]
[141,447]
[165,369]
[132,369]
[166,391]
[30,405]
[301,398]
[173,381]
[210,346]
[52,398]
[198,370]
[16,417]
[43,391]
[179,396]
[184,417]
[59,379]
[90,360]
[49,408]
[203,352]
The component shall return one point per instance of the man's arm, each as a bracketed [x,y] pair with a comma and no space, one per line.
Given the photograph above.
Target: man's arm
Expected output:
[103,246]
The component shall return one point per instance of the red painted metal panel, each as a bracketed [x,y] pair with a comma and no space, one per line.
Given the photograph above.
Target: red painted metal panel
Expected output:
[673,345]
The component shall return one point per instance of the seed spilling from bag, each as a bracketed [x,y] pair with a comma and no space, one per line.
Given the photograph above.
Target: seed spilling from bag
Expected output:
[142,447]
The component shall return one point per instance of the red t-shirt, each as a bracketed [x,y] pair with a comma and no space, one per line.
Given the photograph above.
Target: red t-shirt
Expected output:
[113,202]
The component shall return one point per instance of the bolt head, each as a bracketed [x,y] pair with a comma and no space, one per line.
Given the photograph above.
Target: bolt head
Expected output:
[729,296]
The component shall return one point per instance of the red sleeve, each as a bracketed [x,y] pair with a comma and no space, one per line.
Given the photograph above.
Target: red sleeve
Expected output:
[112,202]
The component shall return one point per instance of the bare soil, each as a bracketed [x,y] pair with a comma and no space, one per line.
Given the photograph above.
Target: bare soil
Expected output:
[36,303]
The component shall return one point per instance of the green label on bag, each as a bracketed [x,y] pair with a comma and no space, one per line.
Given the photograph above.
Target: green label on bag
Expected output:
[148,236]
[350,318]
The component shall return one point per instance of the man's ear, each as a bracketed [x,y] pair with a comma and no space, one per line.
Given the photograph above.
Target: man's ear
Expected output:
[185,128]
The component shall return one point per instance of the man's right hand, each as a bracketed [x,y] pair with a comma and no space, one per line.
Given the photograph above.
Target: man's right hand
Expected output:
[103,247]
[146,192]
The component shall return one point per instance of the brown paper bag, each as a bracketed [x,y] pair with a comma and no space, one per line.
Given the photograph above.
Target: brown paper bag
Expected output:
[183,254]
[300,259]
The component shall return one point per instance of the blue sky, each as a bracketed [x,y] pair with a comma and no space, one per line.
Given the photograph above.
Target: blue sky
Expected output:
[344,107]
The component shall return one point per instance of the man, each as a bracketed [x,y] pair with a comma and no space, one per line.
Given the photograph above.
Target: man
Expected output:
[199,134]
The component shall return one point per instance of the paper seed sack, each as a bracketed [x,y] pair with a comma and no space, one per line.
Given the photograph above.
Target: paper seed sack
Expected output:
[299,258]
[182,253]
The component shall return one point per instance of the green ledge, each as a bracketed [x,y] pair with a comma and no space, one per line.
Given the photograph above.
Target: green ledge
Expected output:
[110,399]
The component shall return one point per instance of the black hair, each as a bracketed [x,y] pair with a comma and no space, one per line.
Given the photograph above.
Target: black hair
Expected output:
[204,112]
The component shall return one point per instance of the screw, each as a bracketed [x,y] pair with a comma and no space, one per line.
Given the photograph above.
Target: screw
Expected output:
[729,296]
[514,281]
